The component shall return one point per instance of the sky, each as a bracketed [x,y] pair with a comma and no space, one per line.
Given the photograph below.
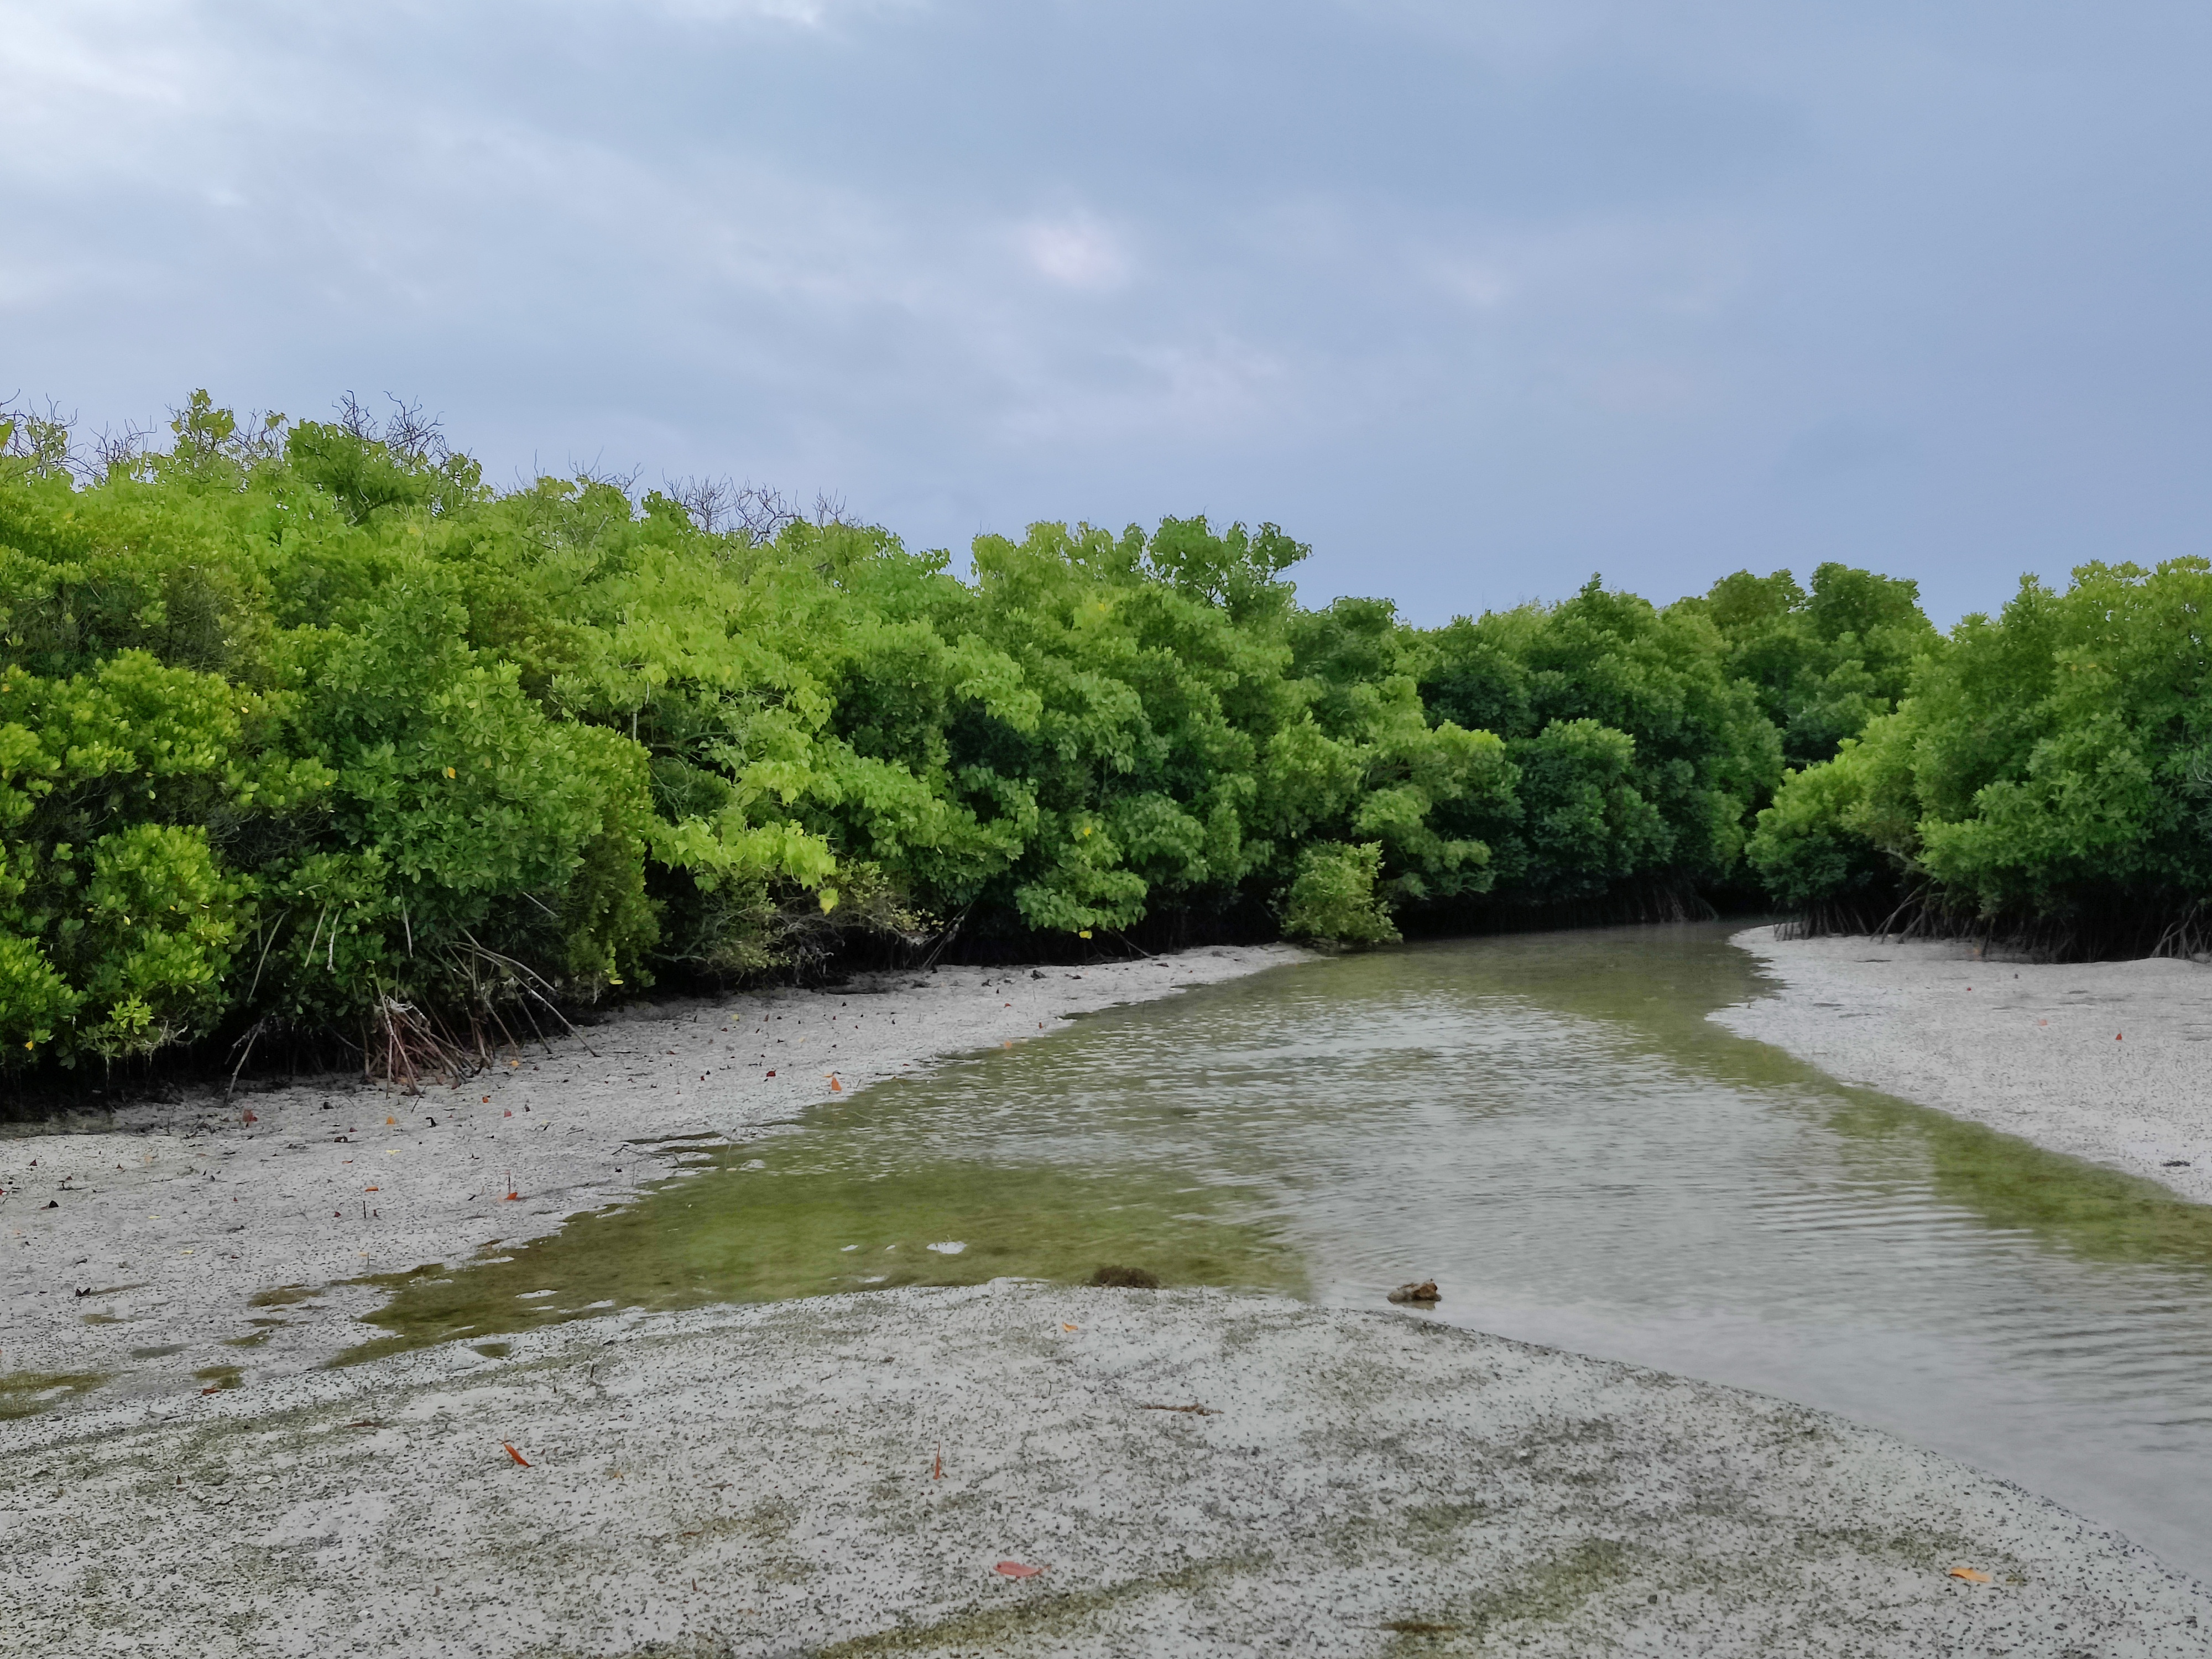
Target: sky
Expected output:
[1477,299]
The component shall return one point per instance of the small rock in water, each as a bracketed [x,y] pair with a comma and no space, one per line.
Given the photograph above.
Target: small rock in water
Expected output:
[1126,1279]
[1423,1292]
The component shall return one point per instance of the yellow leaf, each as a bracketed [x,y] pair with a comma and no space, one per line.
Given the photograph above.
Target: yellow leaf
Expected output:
[1969,1575]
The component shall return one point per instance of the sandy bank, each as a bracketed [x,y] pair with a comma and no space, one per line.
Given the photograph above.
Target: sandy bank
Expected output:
[136,1252]
[845,1475]
[2100,1060]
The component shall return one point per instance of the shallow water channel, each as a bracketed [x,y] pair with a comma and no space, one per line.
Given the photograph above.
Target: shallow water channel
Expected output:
[1549,1127]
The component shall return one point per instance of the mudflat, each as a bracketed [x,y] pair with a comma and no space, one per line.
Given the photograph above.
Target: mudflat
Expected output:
[1019,1468]
[177,1246]
[1014,1469]
[2105,1062]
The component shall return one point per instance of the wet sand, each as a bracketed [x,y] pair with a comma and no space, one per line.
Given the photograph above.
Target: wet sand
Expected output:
[2103,1061]
[1188,1473]
[183,1244]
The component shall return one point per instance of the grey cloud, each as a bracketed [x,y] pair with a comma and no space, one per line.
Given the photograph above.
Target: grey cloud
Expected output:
[1477,297]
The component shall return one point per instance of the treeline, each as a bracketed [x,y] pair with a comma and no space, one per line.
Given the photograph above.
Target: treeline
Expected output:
[305,729]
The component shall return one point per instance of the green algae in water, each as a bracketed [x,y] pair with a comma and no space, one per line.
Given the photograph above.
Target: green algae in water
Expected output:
[25,1393]
[789,1228]
[283,1295]
[1550,1127]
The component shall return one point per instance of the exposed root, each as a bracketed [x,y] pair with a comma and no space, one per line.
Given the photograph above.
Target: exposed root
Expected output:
[404,1045]
[2100,934]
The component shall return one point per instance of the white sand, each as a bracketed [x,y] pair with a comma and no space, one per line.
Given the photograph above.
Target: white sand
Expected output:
[167,1223]
[2100,1060]
[768,1480]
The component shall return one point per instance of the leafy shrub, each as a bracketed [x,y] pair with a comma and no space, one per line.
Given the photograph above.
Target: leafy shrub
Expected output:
[1332,900]
[2051,768]
[298,719]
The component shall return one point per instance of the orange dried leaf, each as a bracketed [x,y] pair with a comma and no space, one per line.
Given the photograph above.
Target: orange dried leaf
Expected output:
[1065,1325]
[1016,1570]
[516,1455]
[1969,1575]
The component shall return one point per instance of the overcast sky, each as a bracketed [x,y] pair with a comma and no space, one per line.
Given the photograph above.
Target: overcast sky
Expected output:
[1476,297]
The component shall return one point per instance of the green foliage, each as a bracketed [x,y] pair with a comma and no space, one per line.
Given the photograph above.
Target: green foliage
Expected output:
[1639,754]
[1822,665]
[296,718]
[2053,765]
[1334,901]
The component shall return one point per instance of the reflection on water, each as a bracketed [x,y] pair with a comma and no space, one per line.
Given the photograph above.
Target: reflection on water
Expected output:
[1547,1125]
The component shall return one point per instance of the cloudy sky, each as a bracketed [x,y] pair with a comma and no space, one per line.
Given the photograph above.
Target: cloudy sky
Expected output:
[1476,297]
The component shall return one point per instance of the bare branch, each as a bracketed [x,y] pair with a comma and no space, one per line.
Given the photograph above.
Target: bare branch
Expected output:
[723,506]
[46,440]
[117,451]
[408,432]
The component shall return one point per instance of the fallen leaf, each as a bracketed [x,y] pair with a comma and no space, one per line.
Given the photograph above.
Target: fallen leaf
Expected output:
[372,1189]
[392,1119]
[249,1118]
[1016,1570]
[1969,1575]
[835,1087]
[1065,1325]
[516,1455]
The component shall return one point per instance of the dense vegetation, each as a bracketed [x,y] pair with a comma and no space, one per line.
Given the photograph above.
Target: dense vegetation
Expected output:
[2048,779]
[305,729]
